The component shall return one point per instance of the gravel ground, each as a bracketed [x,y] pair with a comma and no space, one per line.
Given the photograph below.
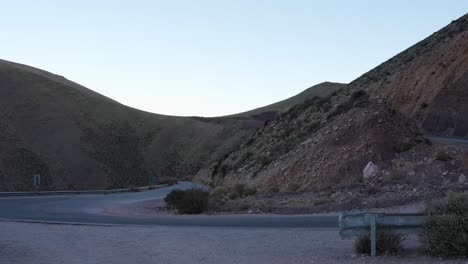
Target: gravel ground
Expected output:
[49,244]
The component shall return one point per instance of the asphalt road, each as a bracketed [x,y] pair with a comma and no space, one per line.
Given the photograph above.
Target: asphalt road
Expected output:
[87,209]
[449,139]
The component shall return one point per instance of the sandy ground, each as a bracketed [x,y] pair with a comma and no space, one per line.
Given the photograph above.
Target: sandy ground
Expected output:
[50,244]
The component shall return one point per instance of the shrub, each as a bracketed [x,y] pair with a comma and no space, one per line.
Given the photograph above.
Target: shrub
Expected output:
[442,156]
[173,198]
[395,176]
[169,182]
[224,169]
[294,187]
[387,243]
[192,201]
[244,207]
[322,200]
[241,190]
[453,204]
[358,94]
[445,232]
[217,198]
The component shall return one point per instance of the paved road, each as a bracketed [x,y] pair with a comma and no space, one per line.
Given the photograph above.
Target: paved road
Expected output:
[449,139]
[87,209]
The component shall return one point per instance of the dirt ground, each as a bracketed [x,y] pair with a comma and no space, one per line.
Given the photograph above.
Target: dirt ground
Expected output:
[49,244]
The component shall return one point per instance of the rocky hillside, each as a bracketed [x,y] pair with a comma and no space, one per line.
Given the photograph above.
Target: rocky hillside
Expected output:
[428,81]
[328,142]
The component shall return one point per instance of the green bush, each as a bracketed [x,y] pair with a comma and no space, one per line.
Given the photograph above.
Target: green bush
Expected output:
[192,201]
[445,232]
[387,244]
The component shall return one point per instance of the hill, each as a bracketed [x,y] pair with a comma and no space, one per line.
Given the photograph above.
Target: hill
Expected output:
[76,138]
[320,90]
[325,143]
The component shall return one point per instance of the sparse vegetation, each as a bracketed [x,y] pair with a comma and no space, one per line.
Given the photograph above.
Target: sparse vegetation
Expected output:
[244,207]
[169,182]
[358,99]
[445,232]
[395,176]
[387,244]
[293,187]
[240,190]
[192,201]
[322,200]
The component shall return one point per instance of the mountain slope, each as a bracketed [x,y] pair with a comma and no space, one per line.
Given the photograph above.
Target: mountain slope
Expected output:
[428,81]
[320,90]
[327,142]
[76,138]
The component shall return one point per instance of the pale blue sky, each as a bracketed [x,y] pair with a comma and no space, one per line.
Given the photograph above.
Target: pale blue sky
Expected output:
[211,58]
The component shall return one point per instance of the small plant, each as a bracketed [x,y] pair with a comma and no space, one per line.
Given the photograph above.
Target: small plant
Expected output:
[169,182]
[442,156]
[294,187]
[358,94]
[244,207]
[240,190]
[445,232]
[372,189]
[322,200]
[386,244]
[395,176]
[224,169]
[192,201]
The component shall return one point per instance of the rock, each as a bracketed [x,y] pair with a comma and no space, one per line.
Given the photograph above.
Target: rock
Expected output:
[462,178]
[370,171]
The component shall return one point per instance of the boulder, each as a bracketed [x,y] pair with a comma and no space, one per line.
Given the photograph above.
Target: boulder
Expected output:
[371,171]
[462,178]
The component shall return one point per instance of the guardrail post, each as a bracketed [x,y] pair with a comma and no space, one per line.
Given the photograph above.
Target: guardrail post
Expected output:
[373,234]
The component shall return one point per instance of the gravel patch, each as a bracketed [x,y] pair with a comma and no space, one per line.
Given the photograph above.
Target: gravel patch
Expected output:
[50,244]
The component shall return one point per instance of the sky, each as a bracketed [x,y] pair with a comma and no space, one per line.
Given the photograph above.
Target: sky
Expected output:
[212,58]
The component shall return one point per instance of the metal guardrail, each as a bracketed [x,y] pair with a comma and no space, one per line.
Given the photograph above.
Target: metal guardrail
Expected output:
[366,223]
[8,194]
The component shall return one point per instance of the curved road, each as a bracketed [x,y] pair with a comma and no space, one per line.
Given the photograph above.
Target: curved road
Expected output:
[87,209]
[449,139]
